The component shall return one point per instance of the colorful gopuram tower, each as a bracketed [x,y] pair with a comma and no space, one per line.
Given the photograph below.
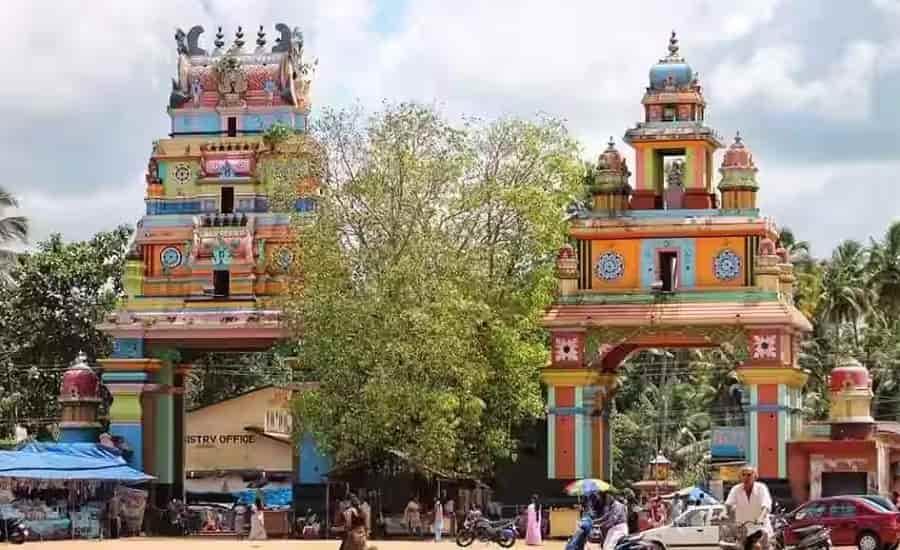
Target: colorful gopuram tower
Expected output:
[216,241]
[672,262]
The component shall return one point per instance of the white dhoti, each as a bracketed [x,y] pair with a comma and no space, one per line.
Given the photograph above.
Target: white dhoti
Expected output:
[614,535]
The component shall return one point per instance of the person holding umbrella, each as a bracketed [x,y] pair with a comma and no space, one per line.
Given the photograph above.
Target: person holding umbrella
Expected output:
[590,488]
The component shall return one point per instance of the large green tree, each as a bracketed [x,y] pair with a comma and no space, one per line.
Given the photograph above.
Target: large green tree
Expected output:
[59,293]
[424,276]
[12,229]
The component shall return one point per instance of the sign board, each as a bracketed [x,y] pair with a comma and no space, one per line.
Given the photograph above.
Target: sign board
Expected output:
[729,474]
[729,442]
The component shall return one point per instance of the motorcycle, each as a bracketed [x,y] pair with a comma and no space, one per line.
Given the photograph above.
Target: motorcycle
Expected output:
[476,527]
[587,531]
[812,537]
[13,530]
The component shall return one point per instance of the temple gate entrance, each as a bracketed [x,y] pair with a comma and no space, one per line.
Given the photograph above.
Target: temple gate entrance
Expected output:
[671,266]
[213,250]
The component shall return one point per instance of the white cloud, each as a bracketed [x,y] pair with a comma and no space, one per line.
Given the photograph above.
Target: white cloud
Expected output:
[585,61]
[85,214]
[770,75]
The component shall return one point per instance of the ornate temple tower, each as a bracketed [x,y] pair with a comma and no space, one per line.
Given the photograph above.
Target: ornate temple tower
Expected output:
[79,395]
[215,244]
[670,263]
[673,139]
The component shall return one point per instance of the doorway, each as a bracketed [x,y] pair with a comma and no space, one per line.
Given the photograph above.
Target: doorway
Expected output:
[668,270]
[844,483]
[232,126]
[221,283]
[227,200]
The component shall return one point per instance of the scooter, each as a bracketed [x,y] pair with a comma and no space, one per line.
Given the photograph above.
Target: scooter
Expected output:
[13,530]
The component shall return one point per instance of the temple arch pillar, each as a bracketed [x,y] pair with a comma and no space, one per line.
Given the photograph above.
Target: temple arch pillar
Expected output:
[578,435]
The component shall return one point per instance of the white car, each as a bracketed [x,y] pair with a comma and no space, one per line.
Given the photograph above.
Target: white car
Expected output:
[696,529]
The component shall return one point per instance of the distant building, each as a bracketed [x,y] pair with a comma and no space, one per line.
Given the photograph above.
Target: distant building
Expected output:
[246,442]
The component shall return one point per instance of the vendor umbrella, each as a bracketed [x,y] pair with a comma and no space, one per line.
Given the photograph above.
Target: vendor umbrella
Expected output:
[587,486]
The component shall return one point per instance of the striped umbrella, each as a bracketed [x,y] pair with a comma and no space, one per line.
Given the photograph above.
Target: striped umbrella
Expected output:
[587,486]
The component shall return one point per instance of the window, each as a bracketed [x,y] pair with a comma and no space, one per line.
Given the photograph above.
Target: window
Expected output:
[221,282]
[668,270]
[842,509]
[813,511]
[232,126]
[694,518]
[227,200]
[669,113]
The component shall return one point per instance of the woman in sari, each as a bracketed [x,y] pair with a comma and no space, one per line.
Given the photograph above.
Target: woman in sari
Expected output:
[257,523]
[533,529]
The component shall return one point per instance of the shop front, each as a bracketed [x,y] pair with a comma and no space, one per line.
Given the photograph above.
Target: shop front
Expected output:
[63,491]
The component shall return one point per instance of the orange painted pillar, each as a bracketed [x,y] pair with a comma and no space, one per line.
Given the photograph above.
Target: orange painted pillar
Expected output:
[774,385]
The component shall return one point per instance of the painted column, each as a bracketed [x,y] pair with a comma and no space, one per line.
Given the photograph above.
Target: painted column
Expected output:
[551,432]
[125,374]
[164,426]
[769,411]
[690,168]
[577,426]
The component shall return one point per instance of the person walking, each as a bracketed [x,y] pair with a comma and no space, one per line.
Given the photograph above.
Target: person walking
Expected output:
[413,517]
[533,525]
[365,512]
[257,522]
[438,519]
[352,516]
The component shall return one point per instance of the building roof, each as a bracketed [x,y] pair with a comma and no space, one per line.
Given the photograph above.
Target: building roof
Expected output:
[683,314]
[299,386]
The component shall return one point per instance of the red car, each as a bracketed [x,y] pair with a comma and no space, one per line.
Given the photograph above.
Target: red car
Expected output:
[854,521]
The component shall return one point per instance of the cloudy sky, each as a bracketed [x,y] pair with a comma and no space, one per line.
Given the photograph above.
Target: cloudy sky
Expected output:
[813,86]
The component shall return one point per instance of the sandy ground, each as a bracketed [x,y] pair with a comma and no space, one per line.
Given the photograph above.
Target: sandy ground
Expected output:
[193,543]
[229,544]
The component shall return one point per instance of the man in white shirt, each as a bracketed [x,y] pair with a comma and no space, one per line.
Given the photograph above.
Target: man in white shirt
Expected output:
[751,503]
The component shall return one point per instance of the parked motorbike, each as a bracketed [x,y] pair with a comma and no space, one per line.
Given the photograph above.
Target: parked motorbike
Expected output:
[813,537]
[13,530]
[477,527]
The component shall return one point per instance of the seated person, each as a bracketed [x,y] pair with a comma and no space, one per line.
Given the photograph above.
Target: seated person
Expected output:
[210,523]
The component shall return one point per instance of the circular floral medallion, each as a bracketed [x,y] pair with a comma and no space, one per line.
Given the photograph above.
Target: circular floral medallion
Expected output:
[170,257]
[284,258]
[182,173]
[727,265]
[610,266]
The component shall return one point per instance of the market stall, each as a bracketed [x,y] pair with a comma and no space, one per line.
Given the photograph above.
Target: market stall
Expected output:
[63,490]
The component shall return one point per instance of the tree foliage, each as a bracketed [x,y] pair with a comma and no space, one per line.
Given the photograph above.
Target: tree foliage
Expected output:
[423,278]
[12,229]
[60,292]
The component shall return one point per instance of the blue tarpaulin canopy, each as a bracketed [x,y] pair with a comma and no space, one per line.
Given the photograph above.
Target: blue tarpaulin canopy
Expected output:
[68,461]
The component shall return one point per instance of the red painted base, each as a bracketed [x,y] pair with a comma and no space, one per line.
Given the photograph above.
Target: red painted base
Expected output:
[698,199]
[644,199]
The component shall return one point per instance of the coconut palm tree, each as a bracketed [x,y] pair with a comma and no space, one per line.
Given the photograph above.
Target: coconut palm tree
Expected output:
[798,252]
[884,267]
[846,294]
[12,228]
